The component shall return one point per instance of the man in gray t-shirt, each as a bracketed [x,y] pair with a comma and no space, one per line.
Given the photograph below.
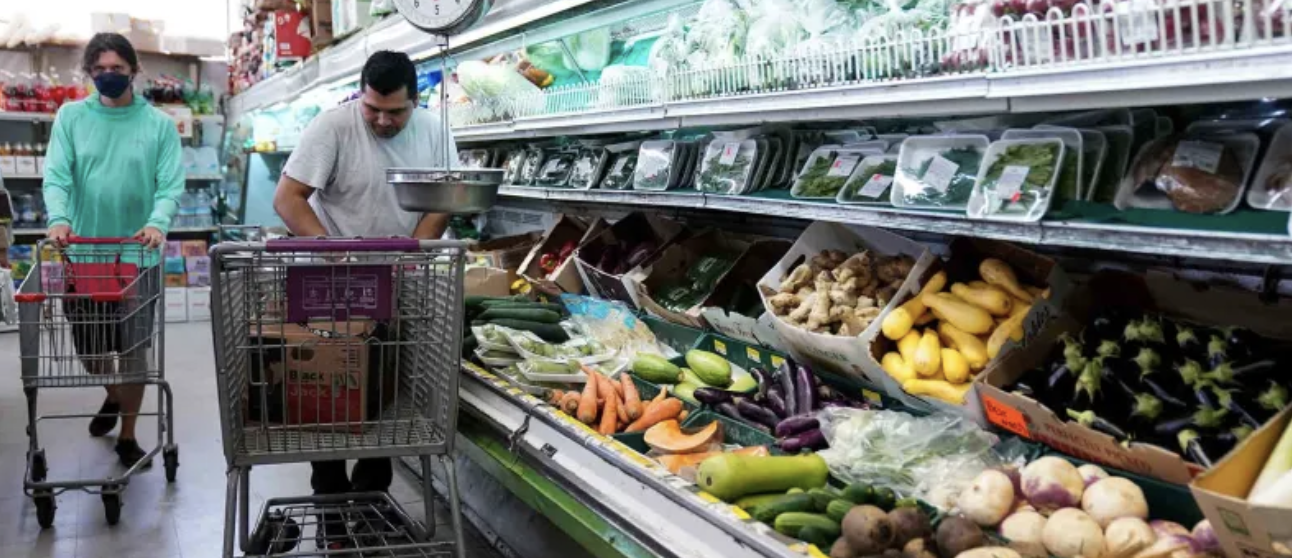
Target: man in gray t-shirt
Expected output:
[334,184]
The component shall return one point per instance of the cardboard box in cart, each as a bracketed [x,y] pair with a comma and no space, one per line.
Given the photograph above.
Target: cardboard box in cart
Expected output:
[966,255]
[565,278]
[672,266]
[838,354]
[1153,291]
[1245,529]
[632,229]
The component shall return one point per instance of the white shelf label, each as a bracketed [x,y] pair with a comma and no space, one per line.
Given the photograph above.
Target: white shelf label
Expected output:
[844,164]
[26,165]
[8,165]
[940,173]
[1011,182]
[875,186]
[1202,155]
[729,152]
[1136,22]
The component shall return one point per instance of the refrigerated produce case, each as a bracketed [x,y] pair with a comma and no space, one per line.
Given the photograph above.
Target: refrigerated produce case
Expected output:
[1103,82]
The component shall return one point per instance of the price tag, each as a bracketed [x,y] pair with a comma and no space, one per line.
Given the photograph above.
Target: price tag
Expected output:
[729,151]
[1136,22]
[8,164]
[26,165]
[1201,155]
[1004,416]
[875,186]
[777,361]
[753,354]
[940,173]
[719,347]
[844,164]
[1011,182]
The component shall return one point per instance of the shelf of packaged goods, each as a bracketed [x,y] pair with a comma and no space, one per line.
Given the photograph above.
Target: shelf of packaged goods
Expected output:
[1244,236]
[662,512]
[25,117]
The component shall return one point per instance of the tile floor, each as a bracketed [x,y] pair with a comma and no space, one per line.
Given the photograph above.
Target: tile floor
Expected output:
[184,519]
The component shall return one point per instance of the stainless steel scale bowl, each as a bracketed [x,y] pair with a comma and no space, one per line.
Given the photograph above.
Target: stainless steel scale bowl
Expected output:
[436,190]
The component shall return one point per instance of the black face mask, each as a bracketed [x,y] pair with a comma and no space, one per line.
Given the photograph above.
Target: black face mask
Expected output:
[111,84]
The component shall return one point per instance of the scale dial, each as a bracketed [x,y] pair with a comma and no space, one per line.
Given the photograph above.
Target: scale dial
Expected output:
[442,17]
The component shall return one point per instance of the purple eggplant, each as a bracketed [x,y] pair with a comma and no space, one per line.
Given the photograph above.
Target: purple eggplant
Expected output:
[776,403]
[804,389]
[760,376]
[728,409]
[712,396]
[809,440]
[756,413]
[795,425]
[789,390]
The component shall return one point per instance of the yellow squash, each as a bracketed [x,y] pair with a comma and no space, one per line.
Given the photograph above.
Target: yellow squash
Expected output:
[961,314]
[928,354]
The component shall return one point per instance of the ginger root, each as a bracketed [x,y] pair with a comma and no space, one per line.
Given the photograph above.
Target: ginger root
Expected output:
[895,268]
[798,315]
[820,314]
[844,292]
[783,302]
[796,279]
[856,266]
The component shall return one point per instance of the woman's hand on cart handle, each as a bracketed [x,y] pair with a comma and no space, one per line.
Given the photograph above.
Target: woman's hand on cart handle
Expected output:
[150,237]
[58,234]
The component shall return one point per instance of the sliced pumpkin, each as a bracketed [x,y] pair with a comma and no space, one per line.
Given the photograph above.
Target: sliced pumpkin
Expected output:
[668,437]
[676,462]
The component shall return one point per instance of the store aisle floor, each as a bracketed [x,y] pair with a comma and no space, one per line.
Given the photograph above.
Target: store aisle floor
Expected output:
[184,519]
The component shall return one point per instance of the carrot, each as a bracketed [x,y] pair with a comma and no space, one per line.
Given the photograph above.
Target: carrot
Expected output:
[682,415]
[632,400]
[570,402]
[554,398]
[587,411]
[664,410]
[621,408]
[610,414]
[619,389]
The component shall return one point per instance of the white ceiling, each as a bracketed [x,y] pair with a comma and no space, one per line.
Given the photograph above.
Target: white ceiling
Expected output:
[206,19]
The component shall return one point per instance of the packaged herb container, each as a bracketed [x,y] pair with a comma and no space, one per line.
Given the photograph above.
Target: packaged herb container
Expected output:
[475,158]
[937,172]
[826,171]
[727,167]
[621,164]
[555,172]
[530,166]
[1119,138]
[588,167]
[870,182]
[1070,186]
[1017,180]
[656,165]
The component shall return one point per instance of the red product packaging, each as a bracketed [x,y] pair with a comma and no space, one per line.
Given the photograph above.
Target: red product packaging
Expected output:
[292,34]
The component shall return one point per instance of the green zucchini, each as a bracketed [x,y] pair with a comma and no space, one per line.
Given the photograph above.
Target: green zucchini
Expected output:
[859,493]
[540,316]
[836,509]
[768,512]
[823,539]
[551,333]
[558,308]
[885,499]
[821,498]
[791,523]
[748,503]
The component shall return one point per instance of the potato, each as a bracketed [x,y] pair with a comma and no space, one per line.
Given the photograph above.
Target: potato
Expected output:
[868,530]
[957,534]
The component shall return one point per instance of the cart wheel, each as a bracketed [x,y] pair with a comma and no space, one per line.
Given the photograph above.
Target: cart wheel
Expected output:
[45,507]
[38,467]
[170,459]
[112,506]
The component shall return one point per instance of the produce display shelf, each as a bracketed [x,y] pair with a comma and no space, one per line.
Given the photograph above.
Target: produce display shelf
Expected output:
[661,511]
[1243,236]
[26,116]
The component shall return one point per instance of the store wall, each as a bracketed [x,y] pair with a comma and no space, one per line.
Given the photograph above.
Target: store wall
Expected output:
[204,19]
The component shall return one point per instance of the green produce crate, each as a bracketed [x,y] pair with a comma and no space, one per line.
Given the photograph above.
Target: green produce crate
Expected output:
[1171,502]
[733,431]
[679,337]
[739,353]
[634,440]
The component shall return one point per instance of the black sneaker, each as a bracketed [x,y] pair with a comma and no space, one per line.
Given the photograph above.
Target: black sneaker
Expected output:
[107,419]
[130,453]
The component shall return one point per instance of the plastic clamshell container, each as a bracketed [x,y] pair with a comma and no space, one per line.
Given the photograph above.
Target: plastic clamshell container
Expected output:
[893,141]
[842,137]
[736,179]
[1245,147]
[1075,145]
[1094,154]
[1275,170]
[655,166]
[516,337]
[775,167]
[530,164]
[861,176]
[837,155]
[588,168]
[918,149]
[530,371]
[1118,139]
[478,331]
[555,172]
[497,361]
[762,163]
[984,199]
[870,147]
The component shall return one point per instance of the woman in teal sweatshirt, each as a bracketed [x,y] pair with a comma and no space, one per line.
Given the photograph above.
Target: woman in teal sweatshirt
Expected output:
[112,170]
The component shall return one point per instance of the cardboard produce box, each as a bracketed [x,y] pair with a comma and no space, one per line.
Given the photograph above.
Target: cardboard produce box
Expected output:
[632,230]
[568,230]
[742,283]
[319,374]
[506,253]
[845,355]
[1243,528]
[966,254]
[679,263]
[1154,291]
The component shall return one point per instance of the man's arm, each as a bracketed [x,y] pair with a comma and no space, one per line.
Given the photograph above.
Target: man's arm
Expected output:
[431,227]
[292,202]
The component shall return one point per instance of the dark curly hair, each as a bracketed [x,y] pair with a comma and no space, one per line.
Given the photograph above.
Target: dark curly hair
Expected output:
[109,42]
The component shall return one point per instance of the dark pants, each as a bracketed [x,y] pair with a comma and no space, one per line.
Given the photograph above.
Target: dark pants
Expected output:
[370,475]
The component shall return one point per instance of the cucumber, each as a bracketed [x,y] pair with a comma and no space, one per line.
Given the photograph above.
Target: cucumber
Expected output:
[791,523]
[768,512]
[885,499]
[487,301]
[822,538]
[748,503]
[821,498]
[537,315]
[548,332]
[836,509]
[545,367]
[559,309]
[859,493]
[795,490]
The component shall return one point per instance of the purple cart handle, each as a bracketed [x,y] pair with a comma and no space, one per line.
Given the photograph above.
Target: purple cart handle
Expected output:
[342,245]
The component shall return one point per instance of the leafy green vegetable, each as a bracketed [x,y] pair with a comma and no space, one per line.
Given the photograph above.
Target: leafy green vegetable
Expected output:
[887,167]
[717,178]
[1039,158]
[1067,184]
[620,177]
[967,159]
[816,182]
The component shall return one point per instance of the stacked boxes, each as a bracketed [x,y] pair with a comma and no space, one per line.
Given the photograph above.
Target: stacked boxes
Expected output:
[188,281]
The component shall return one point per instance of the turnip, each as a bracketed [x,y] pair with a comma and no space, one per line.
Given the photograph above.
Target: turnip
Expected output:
[1205,536]
[1051,483]
[990,552]
[1024,527]
[1126,536]
[1091,474]
[1070,533]
[1167,547]
[1113,498]
[988,499]
[1163,528]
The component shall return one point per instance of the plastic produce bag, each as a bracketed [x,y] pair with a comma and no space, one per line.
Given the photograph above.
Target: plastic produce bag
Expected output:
[932,458]
[590,50]
[771,33]
[669,51]
[624,86]
[613,325]
[488,84]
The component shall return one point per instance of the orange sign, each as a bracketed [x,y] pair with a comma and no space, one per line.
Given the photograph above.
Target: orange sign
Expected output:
[1004,416]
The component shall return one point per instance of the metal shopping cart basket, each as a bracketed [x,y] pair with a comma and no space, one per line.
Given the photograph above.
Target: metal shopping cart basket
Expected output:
[331,350]
[91,315]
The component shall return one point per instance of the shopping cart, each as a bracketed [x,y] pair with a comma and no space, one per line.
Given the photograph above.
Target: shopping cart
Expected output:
[91,315]
[330,350]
